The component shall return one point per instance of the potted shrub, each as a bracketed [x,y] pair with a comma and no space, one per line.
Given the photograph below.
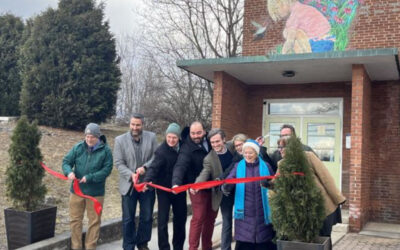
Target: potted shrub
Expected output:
[28,221]
[297,205]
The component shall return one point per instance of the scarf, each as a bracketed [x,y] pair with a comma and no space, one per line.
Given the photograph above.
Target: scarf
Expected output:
[240,191]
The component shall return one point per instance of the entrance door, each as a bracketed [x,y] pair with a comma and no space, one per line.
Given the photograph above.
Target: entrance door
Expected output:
[323,136]
[317,122]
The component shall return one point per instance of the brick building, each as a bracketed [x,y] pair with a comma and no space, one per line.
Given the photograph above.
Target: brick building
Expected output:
[340,90]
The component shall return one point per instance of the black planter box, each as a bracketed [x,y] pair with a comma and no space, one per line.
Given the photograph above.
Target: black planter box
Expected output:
[323,243]
[24,228]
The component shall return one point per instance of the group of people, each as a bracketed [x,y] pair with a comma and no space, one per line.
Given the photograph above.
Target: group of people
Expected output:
[178,160]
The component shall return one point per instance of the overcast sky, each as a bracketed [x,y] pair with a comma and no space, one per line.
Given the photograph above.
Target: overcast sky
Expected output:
[118,12]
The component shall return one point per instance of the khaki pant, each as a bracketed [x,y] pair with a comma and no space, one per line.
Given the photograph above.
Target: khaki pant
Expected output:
[77,206]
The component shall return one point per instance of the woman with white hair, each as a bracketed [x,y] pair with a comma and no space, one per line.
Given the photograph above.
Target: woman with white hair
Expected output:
[253,228]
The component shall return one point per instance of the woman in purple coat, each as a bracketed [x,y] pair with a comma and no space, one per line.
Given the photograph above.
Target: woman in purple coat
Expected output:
[253,228]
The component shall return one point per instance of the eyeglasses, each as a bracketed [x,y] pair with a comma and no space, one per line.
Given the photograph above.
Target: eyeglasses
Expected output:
[238,145]
[281,147]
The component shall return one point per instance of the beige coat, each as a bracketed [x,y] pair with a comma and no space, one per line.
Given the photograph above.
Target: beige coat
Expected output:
[325,183]
[212,169]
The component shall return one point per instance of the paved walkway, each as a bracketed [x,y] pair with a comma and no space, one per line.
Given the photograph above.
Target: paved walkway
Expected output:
[153,244]
[341,240]
[353,241]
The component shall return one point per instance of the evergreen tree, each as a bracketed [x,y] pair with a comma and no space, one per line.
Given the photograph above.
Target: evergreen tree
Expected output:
[11,28]
[297,206]
[24,174]
[70,73]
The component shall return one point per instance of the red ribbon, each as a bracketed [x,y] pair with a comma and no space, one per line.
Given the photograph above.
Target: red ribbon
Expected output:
[96,204]
[204,185]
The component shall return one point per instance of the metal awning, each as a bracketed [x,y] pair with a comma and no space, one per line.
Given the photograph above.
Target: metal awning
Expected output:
[333,66]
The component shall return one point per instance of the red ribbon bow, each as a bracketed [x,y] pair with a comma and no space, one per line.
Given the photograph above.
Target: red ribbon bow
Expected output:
[96,204]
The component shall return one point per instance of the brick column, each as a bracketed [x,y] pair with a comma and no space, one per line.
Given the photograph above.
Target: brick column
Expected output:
[359,200]
[229,104]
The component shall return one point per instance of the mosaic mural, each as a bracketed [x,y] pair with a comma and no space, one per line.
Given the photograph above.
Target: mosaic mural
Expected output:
[310,25]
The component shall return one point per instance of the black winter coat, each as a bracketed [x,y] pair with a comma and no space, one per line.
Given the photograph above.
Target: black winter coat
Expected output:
[161,168]
[189,163]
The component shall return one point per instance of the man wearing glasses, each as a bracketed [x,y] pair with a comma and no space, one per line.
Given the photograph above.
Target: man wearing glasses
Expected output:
[286,130]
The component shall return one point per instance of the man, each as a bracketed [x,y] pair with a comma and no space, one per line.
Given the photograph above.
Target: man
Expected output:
[186,169]
[215,163]
[286,130]
[133,153]
[160,172]
[89,161]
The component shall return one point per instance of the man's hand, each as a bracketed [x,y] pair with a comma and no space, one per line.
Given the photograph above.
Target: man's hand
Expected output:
[174,186]
[71,176]
[133,176]
[141,170]
[193,191]
[83,180]
[145,188]
[260,140]
[224,191]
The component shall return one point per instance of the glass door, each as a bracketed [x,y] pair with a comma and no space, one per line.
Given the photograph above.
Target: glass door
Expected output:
[324,137]
[317,122]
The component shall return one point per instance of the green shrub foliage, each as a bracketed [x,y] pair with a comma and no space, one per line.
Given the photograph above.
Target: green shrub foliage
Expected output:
[297,206]
[11,29]
[69,66]
[24,174]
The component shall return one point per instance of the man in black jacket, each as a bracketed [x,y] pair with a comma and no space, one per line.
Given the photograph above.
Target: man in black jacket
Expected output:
[186,170]
[160,172]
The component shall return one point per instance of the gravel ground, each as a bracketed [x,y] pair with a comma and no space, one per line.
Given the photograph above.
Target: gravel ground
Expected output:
[55,143]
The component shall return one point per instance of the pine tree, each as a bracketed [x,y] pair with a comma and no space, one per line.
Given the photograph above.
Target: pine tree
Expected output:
[297,206]
[70,72]
[11,29]
[24,174]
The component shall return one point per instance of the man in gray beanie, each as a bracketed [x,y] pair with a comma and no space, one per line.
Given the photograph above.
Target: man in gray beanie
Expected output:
[92,176]
[93,129]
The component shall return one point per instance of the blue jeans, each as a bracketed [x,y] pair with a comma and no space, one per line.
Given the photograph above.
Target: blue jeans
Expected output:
[226,211]
[143,234]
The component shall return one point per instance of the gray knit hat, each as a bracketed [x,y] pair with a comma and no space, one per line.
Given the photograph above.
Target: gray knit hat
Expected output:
[174,129]
[93,129]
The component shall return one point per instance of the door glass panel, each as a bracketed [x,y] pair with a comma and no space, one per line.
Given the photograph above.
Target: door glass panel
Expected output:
[304,108]
[321,138]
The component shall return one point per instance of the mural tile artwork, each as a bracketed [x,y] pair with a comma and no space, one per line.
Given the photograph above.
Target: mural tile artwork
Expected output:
[310,25]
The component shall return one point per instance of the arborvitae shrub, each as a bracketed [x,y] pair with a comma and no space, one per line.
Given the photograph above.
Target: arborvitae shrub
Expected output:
[24,173]
[297,206]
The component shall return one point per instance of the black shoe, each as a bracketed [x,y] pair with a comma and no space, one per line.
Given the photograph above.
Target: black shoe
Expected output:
[143,247]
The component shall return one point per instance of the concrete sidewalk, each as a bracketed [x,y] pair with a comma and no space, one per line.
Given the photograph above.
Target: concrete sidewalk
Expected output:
[153,244]
[338,233]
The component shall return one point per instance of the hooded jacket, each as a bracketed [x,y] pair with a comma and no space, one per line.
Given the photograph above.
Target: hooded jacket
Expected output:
[95,166]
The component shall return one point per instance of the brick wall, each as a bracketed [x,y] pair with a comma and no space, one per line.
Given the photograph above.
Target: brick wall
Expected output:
[385,165]
[256,10]
[376,25]
[360,153]
[229,104]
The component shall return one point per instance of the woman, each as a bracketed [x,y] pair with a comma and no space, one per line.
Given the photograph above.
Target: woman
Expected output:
[326,184]
[160,172]
[253,229]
